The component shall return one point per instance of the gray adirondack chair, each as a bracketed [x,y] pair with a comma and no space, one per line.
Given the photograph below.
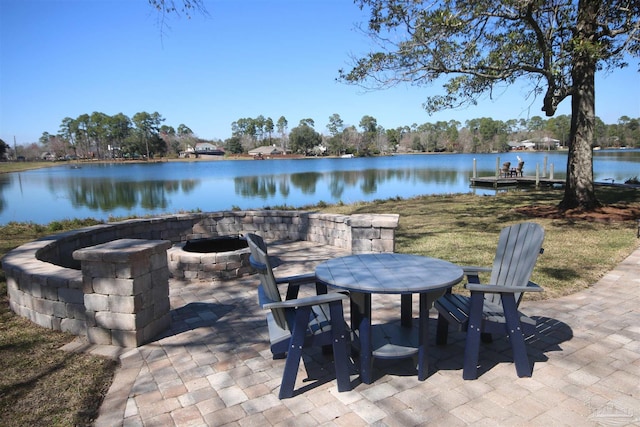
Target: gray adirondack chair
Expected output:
[493,307]
[295,323]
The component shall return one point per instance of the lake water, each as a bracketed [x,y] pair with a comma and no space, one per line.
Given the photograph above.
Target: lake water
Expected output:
[113,190]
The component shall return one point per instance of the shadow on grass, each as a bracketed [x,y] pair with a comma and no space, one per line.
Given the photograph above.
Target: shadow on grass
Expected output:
[76,382]
[560,274]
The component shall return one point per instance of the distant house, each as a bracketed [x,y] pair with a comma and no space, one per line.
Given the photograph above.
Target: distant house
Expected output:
[265,150]
[206,148]
[543,143]
[527,144]
[514,145]
[188,152]
[547,142]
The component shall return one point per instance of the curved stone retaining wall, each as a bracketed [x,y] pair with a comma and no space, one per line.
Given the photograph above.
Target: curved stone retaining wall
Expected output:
[45,282]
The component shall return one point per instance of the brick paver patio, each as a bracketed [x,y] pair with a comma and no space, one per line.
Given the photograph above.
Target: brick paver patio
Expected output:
[214,367]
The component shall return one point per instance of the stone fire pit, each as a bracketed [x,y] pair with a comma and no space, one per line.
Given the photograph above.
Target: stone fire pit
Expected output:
[225,257]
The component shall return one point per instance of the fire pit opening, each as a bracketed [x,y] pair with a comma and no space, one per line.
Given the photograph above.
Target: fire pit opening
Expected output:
[225,257]
[215,244]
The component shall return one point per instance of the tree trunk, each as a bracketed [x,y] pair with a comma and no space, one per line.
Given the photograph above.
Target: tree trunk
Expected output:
[579,187]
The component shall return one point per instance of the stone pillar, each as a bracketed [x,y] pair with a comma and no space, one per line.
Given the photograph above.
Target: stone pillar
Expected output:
[373,232]
[126,291]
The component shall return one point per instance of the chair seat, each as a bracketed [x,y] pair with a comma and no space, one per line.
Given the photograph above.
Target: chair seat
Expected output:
[319,325]
[455,308]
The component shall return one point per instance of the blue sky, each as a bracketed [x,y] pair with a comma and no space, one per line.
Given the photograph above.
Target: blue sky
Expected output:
[63,58]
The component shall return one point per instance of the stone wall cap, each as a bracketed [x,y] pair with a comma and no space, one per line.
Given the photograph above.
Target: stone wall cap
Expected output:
[120,250]
[374,220]
[329,217]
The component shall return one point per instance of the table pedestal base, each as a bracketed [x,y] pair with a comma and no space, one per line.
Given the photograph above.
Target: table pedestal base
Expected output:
[395,340]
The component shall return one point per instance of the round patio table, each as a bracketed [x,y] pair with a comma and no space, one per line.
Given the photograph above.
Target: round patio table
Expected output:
[389,273]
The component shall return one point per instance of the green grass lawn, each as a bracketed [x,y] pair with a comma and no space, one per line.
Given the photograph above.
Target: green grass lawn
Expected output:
[464,229]
[7,167]
[41,385]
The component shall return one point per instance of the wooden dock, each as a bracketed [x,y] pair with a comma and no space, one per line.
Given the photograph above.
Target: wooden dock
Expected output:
[520,181]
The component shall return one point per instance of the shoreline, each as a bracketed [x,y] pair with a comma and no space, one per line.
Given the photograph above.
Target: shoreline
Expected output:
[20,166]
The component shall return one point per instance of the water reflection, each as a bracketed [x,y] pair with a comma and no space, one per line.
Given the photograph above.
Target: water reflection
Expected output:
[367,181]
[5,181]
[138,189]
[285,189]
[255,186]
[109,195]
[306,182]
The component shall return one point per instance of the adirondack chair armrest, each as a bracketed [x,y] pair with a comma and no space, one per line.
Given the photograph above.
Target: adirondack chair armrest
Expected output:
[295,282]
[495,289]
[534,287]
[300,279]
[474,270]
[306,301]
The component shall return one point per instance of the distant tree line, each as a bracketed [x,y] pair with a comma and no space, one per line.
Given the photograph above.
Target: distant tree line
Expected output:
[4,150]
[479,135]
[100,136]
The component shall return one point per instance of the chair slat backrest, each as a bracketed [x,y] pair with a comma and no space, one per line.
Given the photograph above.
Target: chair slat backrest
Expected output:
[260,261]
[518,248]
[506,168]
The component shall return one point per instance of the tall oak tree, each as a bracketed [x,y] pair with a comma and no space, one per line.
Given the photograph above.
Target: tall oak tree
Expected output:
[480,46]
